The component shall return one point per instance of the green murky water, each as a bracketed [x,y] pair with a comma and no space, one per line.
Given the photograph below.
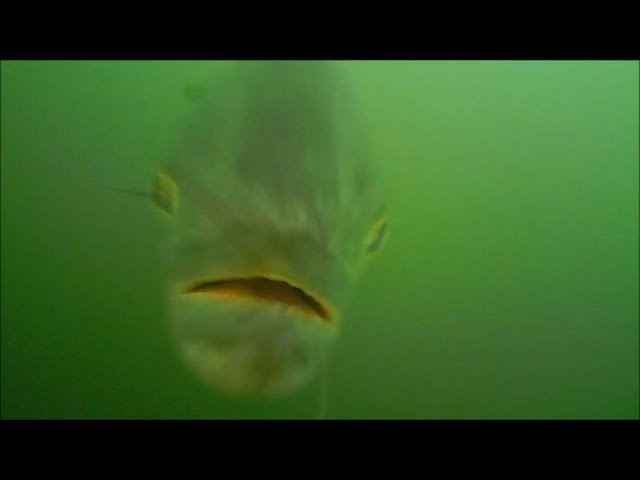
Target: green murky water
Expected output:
[508,287]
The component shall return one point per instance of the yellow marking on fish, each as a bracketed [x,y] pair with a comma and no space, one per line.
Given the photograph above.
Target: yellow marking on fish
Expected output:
[164,193]
[378,235]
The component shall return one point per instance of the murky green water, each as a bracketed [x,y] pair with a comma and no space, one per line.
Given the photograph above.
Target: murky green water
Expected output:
[508,287]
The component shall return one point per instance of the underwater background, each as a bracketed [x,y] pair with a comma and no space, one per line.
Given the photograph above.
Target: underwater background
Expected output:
[508,288]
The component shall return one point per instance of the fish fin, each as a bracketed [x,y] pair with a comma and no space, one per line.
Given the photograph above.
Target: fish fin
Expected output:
[194,92]
[163,193]
[377,236]
[323,391]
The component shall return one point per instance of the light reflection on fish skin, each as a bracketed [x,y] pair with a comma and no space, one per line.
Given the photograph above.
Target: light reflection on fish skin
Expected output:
[274,184]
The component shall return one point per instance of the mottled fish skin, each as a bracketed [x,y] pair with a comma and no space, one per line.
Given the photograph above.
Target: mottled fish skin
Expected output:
[276,193]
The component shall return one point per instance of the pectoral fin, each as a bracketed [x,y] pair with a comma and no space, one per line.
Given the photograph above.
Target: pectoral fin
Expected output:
[163,193]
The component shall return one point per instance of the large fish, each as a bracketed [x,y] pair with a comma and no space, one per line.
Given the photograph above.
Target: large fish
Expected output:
[274,211]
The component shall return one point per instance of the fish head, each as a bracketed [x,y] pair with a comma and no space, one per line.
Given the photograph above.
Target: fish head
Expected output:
[277,215]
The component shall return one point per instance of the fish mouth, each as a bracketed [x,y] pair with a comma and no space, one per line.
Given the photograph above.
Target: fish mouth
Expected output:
[265,289]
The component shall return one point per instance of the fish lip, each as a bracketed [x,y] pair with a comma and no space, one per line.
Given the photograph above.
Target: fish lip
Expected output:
[266,288]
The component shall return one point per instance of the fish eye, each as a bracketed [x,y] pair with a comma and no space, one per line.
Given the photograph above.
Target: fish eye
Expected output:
[377,236]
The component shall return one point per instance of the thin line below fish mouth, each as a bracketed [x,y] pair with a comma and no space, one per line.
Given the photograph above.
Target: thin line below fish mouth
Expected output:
[267,290]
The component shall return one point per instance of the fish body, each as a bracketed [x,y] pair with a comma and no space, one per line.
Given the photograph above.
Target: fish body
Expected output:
[277,213]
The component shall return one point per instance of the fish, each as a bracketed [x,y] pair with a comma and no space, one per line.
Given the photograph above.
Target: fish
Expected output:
[274,212]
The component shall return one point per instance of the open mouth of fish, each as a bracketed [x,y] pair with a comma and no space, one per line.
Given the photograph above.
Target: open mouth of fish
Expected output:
[265,289]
